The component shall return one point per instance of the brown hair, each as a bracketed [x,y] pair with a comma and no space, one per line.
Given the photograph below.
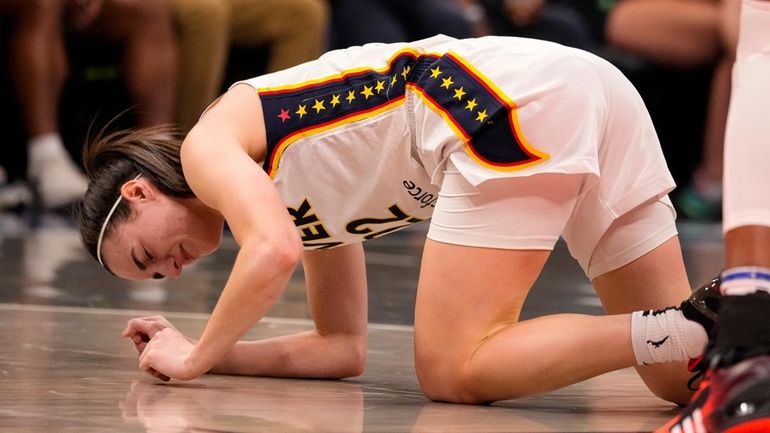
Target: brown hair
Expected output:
[112,159]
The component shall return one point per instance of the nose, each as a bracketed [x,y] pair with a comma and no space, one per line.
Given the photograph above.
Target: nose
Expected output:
[171,267]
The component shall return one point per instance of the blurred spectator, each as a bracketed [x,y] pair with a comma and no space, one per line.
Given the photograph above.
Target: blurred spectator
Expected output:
[291,31]
[687,34]
[14,194]
[538,19]
[356,22]
[38,69]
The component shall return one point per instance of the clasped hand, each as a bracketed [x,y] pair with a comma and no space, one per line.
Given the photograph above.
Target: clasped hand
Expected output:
[164,352]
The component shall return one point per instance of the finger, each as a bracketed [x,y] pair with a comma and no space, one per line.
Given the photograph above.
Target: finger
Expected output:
[143,356]
[158,375]
[145,365]
[131,327]
[140,347]
[152,372]
[143,326]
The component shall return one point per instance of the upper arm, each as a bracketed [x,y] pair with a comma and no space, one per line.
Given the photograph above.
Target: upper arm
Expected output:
[218,157]
[336,286]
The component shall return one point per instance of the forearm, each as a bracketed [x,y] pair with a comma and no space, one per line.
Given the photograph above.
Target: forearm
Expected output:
[257,280]
[307,354]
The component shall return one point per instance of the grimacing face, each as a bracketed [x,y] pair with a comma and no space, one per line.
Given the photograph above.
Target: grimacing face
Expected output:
[161,235]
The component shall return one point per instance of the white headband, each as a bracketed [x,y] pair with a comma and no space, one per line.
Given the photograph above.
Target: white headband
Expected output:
[104,226]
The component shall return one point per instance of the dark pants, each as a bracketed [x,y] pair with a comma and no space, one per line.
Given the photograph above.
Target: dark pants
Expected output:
[356,22]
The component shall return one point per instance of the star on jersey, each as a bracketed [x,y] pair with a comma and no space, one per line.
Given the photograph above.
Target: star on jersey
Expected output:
[478,112]
[367,92]
[376,87]
[458,93]
[319,106]
[301,111]
[284,116]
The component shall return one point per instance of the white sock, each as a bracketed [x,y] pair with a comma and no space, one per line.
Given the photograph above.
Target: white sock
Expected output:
[665,335]
[54,173]
[745,280]
[49,144]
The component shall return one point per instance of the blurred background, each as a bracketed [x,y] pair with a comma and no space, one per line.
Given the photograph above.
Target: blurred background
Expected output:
[69,67]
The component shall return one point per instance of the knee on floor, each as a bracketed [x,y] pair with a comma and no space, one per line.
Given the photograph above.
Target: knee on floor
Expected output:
[678,394]
[452,383]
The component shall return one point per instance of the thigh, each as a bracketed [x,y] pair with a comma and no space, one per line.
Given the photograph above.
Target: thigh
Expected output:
[522,213]
[654,280]
[638,264]
[487,245]
[465,295]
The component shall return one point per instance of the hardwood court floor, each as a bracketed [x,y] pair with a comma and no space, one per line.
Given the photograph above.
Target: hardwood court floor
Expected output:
[65,368]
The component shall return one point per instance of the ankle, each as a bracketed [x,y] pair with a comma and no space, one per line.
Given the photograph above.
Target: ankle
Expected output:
[745,280]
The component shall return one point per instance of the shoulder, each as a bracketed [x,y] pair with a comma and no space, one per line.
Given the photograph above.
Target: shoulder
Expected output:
[240,98]
[236,116]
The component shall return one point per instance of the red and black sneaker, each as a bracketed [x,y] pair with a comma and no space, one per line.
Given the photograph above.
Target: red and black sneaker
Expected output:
[733,399]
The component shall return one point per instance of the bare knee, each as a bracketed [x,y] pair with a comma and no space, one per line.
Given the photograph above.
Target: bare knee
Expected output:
[667,381]
[447,383]
[453,375]
[676,393]
[350,352]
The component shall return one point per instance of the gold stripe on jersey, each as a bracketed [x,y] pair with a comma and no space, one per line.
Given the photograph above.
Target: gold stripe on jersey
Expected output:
[478,112]
[303,109]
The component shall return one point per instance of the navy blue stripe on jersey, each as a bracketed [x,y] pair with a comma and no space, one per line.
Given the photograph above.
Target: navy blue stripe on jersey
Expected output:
[479,113]
[310,107]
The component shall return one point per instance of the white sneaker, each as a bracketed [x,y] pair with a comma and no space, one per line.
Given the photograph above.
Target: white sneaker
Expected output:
[15,195]
[57,179]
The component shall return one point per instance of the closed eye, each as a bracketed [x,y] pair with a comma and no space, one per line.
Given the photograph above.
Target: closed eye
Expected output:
[137,262]
[142,266]
[149,257]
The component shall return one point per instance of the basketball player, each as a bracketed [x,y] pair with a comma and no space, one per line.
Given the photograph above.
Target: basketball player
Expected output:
[505,143]
[734,397]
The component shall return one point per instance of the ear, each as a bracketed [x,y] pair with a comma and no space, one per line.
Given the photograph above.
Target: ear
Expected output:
[137,190]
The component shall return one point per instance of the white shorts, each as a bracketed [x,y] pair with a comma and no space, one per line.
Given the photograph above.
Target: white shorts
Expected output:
[600,123]
[530,213]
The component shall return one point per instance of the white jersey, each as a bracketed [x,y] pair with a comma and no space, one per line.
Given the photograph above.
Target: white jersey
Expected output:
[357,140]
